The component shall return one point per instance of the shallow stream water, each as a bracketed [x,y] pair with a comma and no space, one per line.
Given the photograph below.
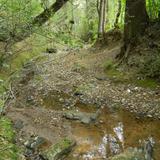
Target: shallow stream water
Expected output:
[112,133]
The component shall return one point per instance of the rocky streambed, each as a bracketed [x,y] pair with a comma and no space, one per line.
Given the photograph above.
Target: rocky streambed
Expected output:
[83,131]
[63,110]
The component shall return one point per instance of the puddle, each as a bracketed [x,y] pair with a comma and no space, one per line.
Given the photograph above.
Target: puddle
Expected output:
[62,101]
[114,133]
[111,134]
[53,100]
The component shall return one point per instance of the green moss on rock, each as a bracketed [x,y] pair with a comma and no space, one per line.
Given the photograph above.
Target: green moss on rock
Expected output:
[60,150]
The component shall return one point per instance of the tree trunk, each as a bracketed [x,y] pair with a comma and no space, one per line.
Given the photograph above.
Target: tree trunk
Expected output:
[102,18]
[136,20]
[118,14]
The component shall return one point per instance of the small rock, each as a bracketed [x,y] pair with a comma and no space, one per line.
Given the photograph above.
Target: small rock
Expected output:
[34,143]
[101,121]
[38,141]
[61,100]
[18,124]
[149,116]
[59,150]
[28,143]
[128,91]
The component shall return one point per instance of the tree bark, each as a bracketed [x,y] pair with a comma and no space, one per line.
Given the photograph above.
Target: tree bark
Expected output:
[102,18]
[136,20]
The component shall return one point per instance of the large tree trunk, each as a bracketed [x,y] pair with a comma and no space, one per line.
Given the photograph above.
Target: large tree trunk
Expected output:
[136,20]
[37,21]
[102,18]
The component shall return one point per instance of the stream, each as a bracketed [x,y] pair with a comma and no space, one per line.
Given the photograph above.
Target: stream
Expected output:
[115,132]
[112,133]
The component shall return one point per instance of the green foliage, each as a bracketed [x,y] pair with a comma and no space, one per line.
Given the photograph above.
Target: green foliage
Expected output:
[108,65]
[15,15]
[147,83]
[8,151]
[112,11]
[1,105]
[153,8]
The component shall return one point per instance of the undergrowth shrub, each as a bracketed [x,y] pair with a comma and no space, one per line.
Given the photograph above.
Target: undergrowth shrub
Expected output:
[151,67]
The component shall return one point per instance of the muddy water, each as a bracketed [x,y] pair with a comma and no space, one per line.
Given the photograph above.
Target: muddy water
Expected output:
[111,134]
[114,132]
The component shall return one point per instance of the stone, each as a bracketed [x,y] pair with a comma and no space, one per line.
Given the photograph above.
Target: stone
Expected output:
[128,91]
[18,124]
[101,78]
[35,143]
[28,143]
[86,120]
[83,117]
[149,116]
[38,141]
[149,148]
[60,150]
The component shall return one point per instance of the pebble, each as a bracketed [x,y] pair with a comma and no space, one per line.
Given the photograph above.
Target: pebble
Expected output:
[149,116]
[128,91]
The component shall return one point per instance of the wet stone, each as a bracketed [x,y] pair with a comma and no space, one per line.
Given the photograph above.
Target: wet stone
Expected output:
[35,143]
[38,141]
[59,150]
[83,117]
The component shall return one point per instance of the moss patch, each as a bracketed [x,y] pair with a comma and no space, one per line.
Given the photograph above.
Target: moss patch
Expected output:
[118,76]
[147,83]
[107,65]
[8,150]
[60,149]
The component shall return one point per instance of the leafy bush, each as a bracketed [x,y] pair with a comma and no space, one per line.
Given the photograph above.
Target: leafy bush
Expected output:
[15,15]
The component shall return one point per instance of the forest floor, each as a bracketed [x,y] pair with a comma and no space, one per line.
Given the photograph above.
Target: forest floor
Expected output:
[64,81]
